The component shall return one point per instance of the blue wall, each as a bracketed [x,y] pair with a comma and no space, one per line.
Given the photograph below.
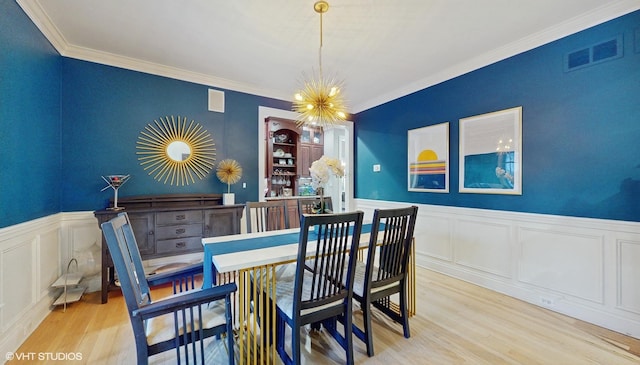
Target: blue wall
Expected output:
[104,110]
[29,120]
[64,123]
[581,130]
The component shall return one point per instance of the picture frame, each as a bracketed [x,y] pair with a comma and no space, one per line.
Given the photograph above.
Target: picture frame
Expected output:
[491,153]
[428,158]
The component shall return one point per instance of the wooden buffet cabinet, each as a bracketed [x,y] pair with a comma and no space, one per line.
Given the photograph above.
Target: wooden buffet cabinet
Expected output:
[170,225]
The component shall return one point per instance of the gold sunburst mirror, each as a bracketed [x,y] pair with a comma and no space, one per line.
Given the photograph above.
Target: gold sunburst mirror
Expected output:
[176,152]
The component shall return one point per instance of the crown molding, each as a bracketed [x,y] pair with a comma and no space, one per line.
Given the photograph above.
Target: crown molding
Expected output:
[40,18]
[597,16]
[110,59]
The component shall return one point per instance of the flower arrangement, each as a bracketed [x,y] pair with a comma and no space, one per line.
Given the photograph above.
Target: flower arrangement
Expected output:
[321,171]
[229,172]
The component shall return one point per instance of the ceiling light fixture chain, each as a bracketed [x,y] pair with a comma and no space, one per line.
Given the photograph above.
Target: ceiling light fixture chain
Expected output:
[320,7]
[320,102]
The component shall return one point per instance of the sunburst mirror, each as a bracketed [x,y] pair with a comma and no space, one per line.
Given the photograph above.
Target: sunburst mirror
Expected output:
[176,152]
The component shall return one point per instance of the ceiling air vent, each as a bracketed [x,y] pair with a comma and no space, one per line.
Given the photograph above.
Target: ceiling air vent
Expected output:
[593,55]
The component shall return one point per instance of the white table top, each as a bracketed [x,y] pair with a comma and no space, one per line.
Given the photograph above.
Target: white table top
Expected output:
[235,261]
[244,236]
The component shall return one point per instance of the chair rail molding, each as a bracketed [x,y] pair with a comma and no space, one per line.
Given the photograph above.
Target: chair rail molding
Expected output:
[581,267]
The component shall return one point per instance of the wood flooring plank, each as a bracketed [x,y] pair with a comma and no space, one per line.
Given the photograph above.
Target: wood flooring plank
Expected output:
[456,323]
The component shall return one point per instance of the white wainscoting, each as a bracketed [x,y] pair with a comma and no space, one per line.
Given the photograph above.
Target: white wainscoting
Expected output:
[584,268]
[29,263]
[33,255]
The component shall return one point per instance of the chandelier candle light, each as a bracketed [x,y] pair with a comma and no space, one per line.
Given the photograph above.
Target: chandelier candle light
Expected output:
[229,172]
[321,171]
[320,102]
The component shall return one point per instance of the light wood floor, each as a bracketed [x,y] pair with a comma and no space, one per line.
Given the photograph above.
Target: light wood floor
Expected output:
[457,323]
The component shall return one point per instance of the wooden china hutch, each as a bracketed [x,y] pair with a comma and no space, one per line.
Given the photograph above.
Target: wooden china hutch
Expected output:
[282,154]
[290,151]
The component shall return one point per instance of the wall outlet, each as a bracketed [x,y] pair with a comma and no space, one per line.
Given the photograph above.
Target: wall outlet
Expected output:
[548,301]
[376,168]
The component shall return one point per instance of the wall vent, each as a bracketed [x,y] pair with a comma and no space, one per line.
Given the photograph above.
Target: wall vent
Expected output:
[607,50]
[216,101]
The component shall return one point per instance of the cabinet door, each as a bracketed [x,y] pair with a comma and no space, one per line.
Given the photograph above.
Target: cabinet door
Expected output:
[304,160]
[316,152]
[308,154]
[318,136]
[221,222]
[294,216]
[143,225]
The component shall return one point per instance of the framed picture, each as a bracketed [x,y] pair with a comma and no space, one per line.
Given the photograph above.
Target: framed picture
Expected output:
[428,159]
[491,153]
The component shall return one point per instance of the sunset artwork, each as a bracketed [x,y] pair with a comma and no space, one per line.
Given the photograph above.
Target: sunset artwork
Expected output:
[428,158]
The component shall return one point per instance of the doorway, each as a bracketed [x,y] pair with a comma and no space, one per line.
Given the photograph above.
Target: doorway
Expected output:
[338,144]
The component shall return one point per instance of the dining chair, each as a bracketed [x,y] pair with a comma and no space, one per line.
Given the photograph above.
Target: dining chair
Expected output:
[385,271]
[311,205]
[315,294]
[267,216]
[181,321]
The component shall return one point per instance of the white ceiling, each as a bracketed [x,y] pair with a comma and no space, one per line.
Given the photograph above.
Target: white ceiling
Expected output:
[381,49]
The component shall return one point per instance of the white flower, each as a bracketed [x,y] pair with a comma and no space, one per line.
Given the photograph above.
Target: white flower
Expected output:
[322,169]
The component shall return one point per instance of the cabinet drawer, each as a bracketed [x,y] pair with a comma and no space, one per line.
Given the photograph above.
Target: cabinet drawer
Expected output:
[178,217]
[179,245]
[179,230]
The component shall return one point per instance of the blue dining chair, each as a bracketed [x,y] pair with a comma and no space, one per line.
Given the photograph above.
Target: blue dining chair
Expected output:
[385,271]
[267,216]
[179,322]
[315,294]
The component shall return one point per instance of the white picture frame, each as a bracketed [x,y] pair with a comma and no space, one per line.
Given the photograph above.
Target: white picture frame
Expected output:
[428,159]
[491,153]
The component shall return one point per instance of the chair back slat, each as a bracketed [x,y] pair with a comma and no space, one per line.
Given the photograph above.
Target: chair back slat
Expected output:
[333,261]
[267,216]
[396,227]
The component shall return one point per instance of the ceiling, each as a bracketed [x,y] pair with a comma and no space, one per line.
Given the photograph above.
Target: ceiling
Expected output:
[381,49]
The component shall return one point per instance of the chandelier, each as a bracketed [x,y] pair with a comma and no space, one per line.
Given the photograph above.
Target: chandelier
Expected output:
[319,101]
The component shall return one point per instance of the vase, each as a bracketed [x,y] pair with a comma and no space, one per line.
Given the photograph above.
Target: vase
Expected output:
[322,209]
[228,199]
[319,207]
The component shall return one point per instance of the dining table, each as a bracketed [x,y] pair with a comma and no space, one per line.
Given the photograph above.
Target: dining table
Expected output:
[240,257]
